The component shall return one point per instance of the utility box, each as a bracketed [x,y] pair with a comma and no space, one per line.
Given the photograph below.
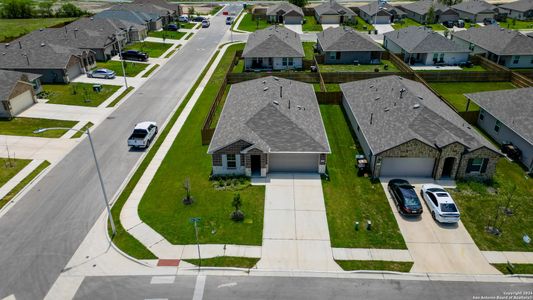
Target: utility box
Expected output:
[97,88]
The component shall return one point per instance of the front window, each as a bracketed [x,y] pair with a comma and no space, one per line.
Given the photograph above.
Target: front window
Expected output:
[476,165]
[332,55]
[441,57]
[231,161]
[497,126]
[516,59]
[284,61]
[291,61]
[481,116]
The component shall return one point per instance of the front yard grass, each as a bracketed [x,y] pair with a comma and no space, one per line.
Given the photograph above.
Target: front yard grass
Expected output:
[454,91]
[359,68]
[187,25]
[518,268]
[309,50]
[153,49]
[406,22]
[226,261]
[11,29]
[376,265]
[10,168]
[247,24]
[161,206]
[311,24]
[132,69]
[350,198]
[516,24]
[167,34]
[77,93]
[9,196]
[361,25]
[27,126]
[480,202]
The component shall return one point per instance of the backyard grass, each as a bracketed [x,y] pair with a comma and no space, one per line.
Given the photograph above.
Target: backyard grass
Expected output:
[121,96]
[226,261]
[27,126]
[153,49]
[167,34]
[152,69]
[517,24]
[453,91]
[480,203]
[77,93]
[239,67]
[247,24]
[132,69]
[11,29]
[518,268]
[377,265]
[9,196]
[311,24]
[359,68]
[406,22]
[84,128]
[361,25]
[309,50]
[10,168]
[350,198]
[330,87]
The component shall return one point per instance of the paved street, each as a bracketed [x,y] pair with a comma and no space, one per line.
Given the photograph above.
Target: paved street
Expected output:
[40,234]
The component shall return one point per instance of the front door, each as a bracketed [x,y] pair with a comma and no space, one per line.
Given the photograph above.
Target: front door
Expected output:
[256,165]
[448,167]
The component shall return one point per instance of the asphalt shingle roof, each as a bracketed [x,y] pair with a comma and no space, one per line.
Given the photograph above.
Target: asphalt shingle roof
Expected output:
[346,39]
[395,120]
[514,108]
[333,8]
[251,114]
[420,39]
[143,7]
[498,40]
[137,17]
[373,7]
[523,5]
[422,7]
[274,41]
[474,6]
[286,7]
[8,79]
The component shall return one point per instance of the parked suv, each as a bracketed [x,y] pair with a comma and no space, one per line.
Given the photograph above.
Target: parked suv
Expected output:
[172,27]
[405,197]
[206,23]
[134,55]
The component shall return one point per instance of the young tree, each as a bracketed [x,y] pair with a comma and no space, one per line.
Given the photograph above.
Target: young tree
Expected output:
[300,3]
[187,200]
[16,9]
[45,8]
[70,10]
[237,214]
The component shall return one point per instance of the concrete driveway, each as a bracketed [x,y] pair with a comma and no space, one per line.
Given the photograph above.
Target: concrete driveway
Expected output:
[295,27]
[383,28]
[435,247]
[295,233]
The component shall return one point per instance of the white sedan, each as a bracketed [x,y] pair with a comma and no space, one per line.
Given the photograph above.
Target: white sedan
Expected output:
[440,204]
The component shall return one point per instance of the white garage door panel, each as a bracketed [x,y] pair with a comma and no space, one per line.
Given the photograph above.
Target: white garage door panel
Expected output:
[293,163]
[407,167]
[292,20]
[330,19]
[382,20]
[74,71]
[21,102]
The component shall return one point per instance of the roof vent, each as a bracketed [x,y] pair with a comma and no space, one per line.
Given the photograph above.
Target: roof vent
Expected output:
[265,88]
[275,102]
[416,106]
[371,86]
[377,98]
[42,44]
[7,45]
[386,109]
[276,78]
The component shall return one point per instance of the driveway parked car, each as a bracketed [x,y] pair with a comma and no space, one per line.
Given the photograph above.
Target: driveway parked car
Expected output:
[101,73]
[172,27]
[440,204]
[405,197]
[183,18]
[199,19]
[448,24]
[134,55]
[206,23]
[489,21]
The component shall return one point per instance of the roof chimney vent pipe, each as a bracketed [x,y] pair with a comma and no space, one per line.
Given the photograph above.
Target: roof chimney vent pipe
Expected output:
[401,93]
[371,118]
[281,91]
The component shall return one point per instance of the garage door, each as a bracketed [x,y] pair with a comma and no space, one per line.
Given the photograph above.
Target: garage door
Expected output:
[293,163]
[382,20]
[407,167]
[21,102]
[330,19]
[292,20]
[74,71]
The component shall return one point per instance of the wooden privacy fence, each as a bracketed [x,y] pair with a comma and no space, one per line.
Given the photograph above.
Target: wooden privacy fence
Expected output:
[300,76]
[341,77]
[329,97]
[459,76]
[516,77]
[469,116]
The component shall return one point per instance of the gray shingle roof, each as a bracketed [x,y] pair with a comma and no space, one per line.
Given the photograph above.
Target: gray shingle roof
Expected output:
[514,108]
[420,39]
[274,41]
[422,7]
[8,80]
[333,8]
[474,6]
[373,7]
[137,17]
[498,40]
[395,120]
[250,114]
[346,39]
[284,7]
[522,5]
[160,3]
[144,7]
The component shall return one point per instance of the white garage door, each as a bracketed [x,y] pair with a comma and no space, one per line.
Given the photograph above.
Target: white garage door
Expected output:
[382,20]
[74,71]
[330,19]
[21,102]
[407,167]
[293,163]
[292,20]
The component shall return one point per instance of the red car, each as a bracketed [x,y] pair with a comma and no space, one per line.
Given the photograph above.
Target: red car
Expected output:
[225,13]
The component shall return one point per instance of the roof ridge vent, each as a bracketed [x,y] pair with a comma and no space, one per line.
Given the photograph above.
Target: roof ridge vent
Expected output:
[276,78]
[265,89]
[43,44]
[416,106]
[377,98]
[275,102]
[386,109]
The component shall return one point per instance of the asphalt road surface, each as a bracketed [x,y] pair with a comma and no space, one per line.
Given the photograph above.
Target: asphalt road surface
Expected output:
[42,231]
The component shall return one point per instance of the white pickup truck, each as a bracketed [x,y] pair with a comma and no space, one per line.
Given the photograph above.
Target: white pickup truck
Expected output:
[142,135]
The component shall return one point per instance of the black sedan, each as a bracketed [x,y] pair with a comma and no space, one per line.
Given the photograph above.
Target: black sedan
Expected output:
[405,197]
[134,55]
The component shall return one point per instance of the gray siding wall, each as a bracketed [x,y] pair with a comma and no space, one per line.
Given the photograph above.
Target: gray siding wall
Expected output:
[348,58]
[358,133]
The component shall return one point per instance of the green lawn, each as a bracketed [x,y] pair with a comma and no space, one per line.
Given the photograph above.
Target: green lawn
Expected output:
[161,206]
[78,134]
[359,68]
[469,25]
[226,261]
[132,69]
[153,49]
[309,50]
[311,24]
[350,198]
[9,196]
[13,28]
[10,168]
[239,67]
[518,268]
[174,35]
[453,91]
[187,25]
[330,87]
[154,67]
[377,265]
[406,22]
[480,202]
[247,24]
[27,126]
[77,93]
[517,24]
[361,25]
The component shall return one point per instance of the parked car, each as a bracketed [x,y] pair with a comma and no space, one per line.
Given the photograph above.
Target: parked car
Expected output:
[206,23]
[134,55]
[101,73]
[173,27]
[511,150]
[183,18]
[143,134]
[459,23]
[448,24]
[405,197]
[489,21]
[440,204]
[199,19]
[229,20]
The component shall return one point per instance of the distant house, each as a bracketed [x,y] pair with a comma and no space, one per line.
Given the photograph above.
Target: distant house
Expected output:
[375,13]
[520,10]
[149,21]
[475,10]
[17,93]
[419,10]
[331,12]
[344,45]
[273,48]
[506,47]
[166,12]
[406,131]
[285,13]
[507,116]
[420,45]
[268,125]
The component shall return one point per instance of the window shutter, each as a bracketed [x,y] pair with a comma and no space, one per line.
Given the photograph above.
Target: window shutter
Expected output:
[469,166]
[484,165]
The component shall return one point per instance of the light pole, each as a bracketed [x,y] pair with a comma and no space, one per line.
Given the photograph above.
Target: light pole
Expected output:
[195,222]
[121,60]
[41,130]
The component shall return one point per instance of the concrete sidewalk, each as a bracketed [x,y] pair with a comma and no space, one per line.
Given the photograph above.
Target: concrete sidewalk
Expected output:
[15,180]
[502,257]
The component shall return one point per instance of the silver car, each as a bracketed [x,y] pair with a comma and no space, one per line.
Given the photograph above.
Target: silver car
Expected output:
[101,73]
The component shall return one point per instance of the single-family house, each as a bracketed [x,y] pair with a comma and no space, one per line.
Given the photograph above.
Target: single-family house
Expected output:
[273,48]
[285,13]
[421,45]
[407,131]
[344,45]
[475,10]
[507,116]
[149,21]
[520,10]
[419,10]
[380,13]
[331,12]
[267,125]
[17,93]
[161,16]
[506,47]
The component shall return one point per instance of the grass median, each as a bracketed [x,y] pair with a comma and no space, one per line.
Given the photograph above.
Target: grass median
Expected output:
[14,192]
[375,265]
[226,261]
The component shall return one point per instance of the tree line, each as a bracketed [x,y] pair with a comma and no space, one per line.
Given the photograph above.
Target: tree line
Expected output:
[20,9]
